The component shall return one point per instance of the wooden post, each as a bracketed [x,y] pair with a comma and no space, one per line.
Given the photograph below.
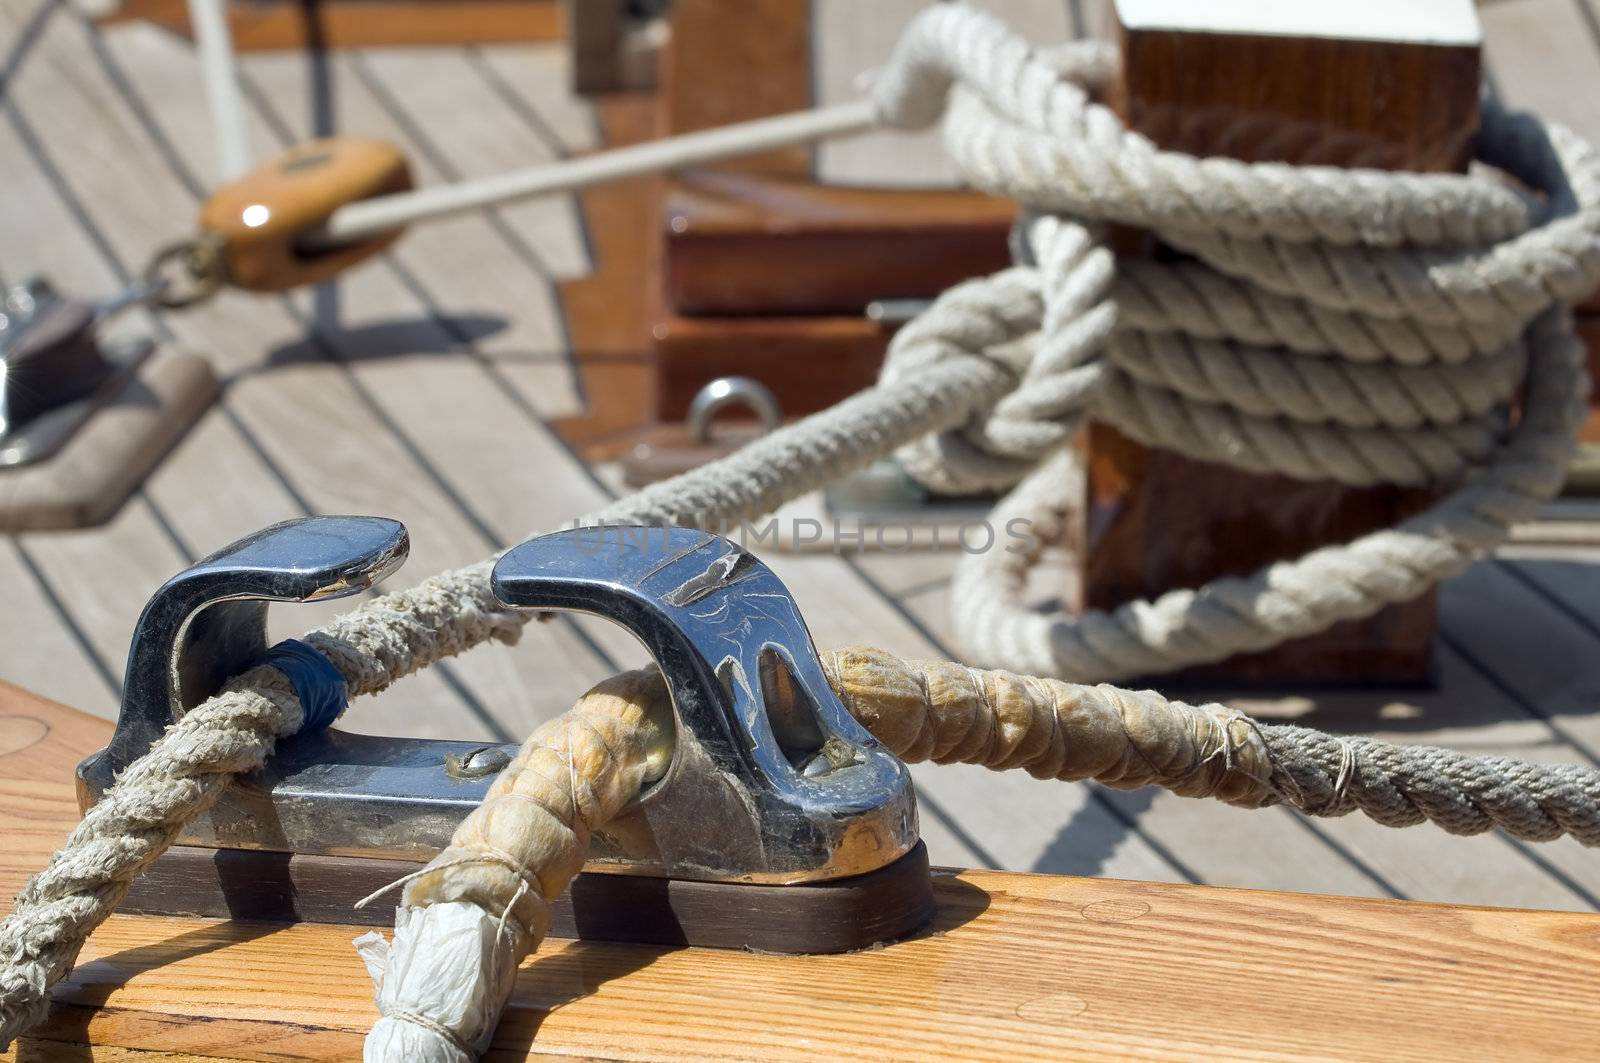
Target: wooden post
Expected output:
[766,273]
[728,63]
[1373,83]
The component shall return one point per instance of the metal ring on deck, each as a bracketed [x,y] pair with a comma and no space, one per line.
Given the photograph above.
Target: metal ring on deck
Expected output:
[732,391]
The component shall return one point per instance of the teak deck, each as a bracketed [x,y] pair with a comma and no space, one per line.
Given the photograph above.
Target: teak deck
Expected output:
[423,386]
[1014,967]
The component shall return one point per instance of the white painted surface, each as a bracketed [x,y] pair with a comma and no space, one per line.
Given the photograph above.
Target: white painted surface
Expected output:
[220,79]
[1448,22]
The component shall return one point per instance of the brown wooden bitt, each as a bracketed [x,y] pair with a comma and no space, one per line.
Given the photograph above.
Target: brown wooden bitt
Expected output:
[1587,323]
[1155,521]
[612,49]
[726,63]
[737,244]
[1583,472]
[262,219]
[809,363]
[1312,100]
[763,272]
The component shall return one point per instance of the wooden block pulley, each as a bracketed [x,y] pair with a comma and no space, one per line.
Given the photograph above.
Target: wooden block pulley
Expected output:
[262,226]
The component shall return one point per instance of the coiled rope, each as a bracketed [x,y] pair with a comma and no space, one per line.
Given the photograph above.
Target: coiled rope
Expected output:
[1358,325]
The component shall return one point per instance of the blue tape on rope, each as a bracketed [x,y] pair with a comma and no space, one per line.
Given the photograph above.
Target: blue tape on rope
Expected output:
[317,683]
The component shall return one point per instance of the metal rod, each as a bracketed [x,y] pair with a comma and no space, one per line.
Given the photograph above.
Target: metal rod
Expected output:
[221,78]
[369,217]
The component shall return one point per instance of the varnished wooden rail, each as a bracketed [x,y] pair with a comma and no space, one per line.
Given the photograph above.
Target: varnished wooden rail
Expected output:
[1015,967]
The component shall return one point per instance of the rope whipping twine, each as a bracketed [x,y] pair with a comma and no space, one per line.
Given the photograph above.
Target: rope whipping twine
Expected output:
[1418,292]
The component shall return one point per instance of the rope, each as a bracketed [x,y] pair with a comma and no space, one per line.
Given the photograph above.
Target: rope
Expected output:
[951,714]
[133,824]
[518,851]
[506,863]
[1335,323]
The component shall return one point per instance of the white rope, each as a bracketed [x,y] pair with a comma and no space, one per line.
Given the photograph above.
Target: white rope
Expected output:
[1338,323]
[218,74]
[1356,326]
[369,217]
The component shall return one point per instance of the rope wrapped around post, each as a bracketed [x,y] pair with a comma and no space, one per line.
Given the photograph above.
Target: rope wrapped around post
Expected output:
[1359,326]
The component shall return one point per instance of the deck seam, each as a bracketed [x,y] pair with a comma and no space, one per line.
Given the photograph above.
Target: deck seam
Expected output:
[395,108]
[1504,687]
[1577,888]
[1590,21]
[523,109]
[79,635]
[528,111]
[441,161]
[460,343]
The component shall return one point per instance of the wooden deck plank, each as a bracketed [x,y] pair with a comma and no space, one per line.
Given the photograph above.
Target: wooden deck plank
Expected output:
[77,109]
[537,81]
[486,279]
[496,462]
[101,576]
[41,650]
[1568,575]
[1539,52]
[215,490]
[1537,653]
[447,104]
